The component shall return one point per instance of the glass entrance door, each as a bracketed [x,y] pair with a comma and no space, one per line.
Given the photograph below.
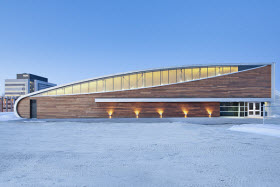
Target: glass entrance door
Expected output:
[254,109]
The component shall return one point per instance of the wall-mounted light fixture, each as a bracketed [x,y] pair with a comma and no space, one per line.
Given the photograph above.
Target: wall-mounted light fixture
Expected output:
[137,113]
[160,112]
[209,113]
[186,114]
[110,113]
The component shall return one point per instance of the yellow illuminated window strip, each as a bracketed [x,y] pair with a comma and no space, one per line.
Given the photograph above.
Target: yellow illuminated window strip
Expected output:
[68,90]
[196,73]
[133,81]
[164,77]
[76,89]
[84,87]
[125,83]
[172,76]
[117,83]
[234,69]
[140,80]
[92,86]
[188,74]
[156,78]
[203,73]
[100,86]
[146,79]
[60,91]
[109,84]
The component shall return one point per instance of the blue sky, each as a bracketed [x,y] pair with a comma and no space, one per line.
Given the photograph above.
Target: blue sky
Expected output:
[68,40]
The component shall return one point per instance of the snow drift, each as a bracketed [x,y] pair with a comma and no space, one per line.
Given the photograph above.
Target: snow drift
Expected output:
[8,116]
[267,129]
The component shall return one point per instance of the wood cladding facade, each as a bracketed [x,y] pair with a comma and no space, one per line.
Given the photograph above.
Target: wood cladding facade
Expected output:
[255,83]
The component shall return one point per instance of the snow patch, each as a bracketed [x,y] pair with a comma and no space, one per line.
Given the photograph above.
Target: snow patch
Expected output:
[8,116]
[267,129]
[275,116]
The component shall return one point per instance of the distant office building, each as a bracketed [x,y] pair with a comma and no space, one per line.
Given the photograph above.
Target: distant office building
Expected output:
[26,83]
[16,87]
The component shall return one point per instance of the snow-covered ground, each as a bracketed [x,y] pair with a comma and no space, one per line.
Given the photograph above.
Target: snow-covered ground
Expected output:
[8,116]
[266,129]
[131,152]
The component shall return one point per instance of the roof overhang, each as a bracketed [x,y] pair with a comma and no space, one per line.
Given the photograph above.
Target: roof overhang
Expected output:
[152,100]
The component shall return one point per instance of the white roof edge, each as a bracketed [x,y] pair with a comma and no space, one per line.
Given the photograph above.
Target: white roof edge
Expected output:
[126,100]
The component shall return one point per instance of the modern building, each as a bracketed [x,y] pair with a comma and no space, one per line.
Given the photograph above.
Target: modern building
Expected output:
[24,84]
[238,90]
[7,104]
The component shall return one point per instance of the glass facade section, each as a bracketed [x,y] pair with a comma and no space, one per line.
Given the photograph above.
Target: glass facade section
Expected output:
[233,109]
[203,73]
[140,80]
[117,83]
[172,76]
[196,73]
[84,87]
[100,86]
[145,79]
[52,92]
[148,79]
[60,91]
[219,70]
[211,71]
[92,86]
[109,83]
[76,89]
[226,70]
[180,75]
[125,83]
[156,78]
[68,90]
[188,74]
[164,77]
[133,81]
[233,69]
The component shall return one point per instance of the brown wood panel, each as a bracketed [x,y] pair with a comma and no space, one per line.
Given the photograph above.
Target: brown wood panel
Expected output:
[85,107]
[254,83]
[24,107]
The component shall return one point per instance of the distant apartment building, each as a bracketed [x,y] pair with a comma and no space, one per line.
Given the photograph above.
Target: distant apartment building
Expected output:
[25,83]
